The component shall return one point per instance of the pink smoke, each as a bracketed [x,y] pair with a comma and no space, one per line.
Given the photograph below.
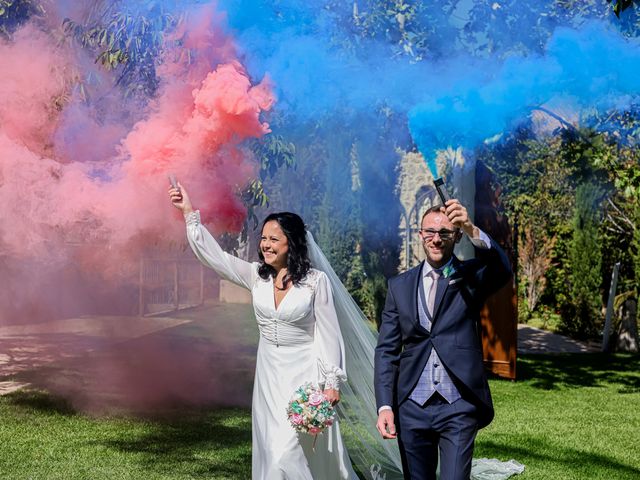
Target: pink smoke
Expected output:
[84,186]
[205,109]
[33,89]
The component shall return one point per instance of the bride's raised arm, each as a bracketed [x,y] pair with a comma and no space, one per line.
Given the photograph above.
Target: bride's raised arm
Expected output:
[206,248]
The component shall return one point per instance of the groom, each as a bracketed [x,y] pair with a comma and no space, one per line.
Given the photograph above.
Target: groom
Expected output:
[429,378]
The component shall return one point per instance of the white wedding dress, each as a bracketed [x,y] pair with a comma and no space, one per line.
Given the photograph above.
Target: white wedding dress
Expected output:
[300,341]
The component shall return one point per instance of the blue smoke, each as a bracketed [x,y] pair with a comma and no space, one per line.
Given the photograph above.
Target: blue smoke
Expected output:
[593,67]
[454,90]
[455,97]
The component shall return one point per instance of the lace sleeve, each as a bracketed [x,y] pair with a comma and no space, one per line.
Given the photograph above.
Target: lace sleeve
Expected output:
[209,252]
[328,338]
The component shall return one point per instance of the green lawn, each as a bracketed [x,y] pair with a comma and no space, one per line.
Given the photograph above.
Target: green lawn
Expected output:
[546,321]
[573,416]
[569,417]
[42,438]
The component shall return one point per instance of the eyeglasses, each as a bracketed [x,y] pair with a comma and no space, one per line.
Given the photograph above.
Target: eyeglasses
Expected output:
[445,235]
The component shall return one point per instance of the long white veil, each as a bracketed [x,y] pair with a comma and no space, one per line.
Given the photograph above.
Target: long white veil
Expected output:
[373,457]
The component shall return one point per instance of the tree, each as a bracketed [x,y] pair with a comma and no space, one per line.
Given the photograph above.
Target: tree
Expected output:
[620,5]
[582,314]
[535,254]
[130,40]
[621,225]
[273,152]
[14,13]
[126,39]
[538,196]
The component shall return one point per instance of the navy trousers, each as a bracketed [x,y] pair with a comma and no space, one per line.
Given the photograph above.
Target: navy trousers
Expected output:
[438,425]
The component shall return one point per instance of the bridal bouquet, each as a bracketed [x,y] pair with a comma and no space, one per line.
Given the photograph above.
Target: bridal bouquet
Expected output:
[309,411]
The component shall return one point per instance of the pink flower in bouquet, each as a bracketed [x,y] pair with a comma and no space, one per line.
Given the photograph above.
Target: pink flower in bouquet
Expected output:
[316,398]
[309,411]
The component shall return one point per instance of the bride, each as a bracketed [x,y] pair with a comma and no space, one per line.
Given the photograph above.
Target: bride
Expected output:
[300,341]
[303,313]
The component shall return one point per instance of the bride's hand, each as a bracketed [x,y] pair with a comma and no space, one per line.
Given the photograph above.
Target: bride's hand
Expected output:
[180,199]
[332,395]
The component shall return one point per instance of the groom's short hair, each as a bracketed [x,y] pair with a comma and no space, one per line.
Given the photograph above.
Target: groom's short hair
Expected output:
[433,209]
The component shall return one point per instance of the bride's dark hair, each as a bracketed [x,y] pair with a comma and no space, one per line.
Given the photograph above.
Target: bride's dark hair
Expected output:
[298,263]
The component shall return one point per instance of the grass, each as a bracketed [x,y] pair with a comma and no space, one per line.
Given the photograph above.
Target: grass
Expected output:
[545,320]
[85,418]
[574,416]
[43,438]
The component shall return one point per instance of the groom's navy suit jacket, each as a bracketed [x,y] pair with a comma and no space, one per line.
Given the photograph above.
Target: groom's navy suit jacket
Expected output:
[404,345]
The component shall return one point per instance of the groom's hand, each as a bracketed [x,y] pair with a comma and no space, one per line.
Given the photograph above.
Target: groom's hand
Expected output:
[458,215]
[386,425]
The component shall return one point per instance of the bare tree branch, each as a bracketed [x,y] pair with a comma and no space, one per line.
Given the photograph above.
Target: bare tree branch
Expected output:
[565,123]
[621,215]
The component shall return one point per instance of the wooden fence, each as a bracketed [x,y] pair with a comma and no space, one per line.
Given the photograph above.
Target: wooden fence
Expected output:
[169,284]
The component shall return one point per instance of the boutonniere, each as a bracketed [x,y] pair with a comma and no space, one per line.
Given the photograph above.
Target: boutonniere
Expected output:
[448,271]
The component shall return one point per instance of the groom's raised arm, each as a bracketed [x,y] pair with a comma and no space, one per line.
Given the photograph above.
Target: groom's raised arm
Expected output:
[497,270]
[387,352]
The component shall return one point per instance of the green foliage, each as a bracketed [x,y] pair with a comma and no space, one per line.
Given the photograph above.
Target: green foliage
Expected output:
[363,206]
[538,196]
[545,318]
[14,13]
[620,5]
[532,179]
[273,153]
[540,176]
[581,315]
[635,255]
[496,28]
[501,28]
[483,28]
[253,196]
[621,225]
[368,290]
[130,42]
[340,228]
[557,292]
[356,277]
[396,23]
[345,193]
